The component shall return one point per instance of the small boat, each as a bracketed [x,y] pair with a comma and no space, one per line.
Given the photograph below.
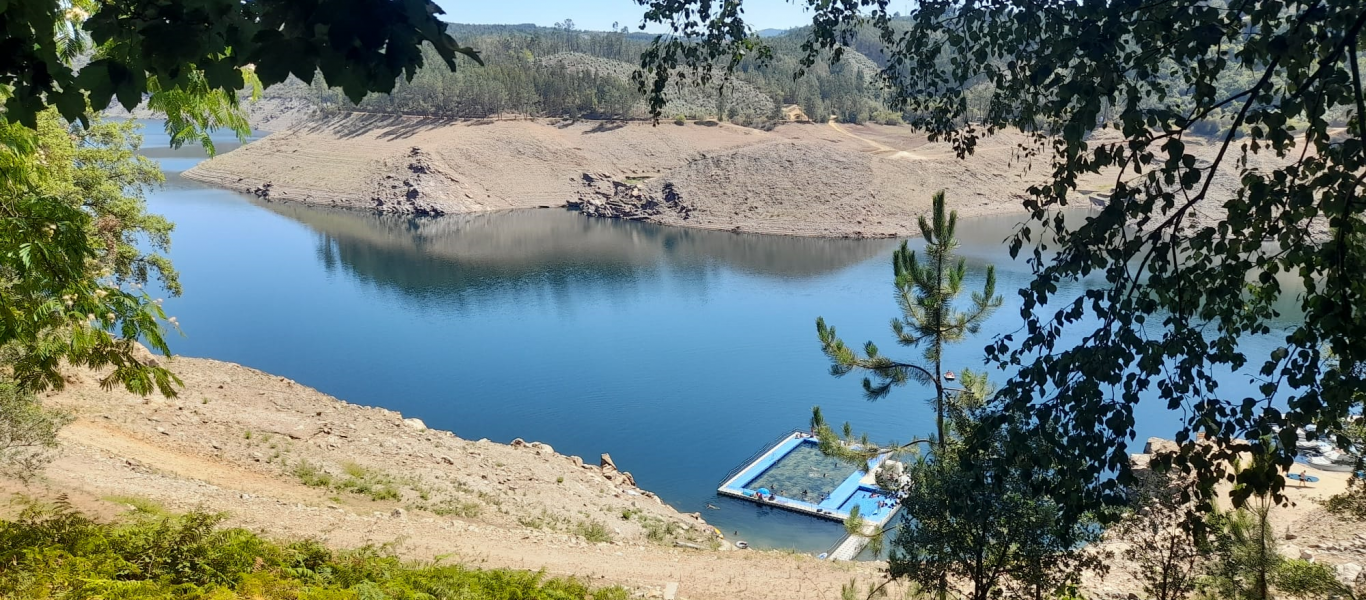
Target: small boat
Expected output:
[1315,447]
[741,544]
[1333,460]
[950,376]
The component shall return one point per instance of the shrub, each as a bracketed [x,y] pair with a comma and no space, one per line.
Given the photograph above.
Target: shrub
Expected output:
[359,480]
[545,520]
[593,531]
[137,504]
[460,508]
[1303,579]
[55,552]
[1205,128]
[313,476]
[887,117]
[657,530]
[28,432]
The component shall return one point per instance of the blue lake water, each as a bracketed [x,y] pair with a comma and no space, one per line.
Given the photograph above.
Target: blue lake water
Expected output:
[679,352]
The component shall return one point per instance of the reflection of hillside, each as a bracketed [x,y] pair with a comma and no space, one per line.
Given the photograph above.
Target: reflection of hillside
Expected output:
[458,250]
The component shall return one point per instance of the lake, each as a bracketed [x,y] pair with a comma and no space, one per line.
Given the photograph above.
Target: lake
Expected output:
[679,352]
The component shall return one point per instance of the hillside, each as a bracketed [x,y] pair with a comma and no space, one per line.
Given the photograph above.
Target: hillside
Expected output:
[742,99]
[804,179]
[284,459]
[563,72]
[280,458]
[824,180]
[410,165]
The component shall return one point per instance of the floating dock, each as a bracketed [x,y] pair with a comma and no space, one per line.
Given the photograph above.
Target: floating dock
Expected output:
[856,489]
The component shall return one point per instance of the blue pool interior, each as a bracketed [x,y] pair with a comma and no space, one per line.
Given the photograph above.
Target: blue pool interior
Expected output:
[804,480]
[803,473]
[872,503]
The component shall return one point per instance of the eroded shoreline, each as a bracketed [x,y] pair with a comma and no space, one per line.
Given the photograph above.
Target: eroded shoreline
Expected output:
[813,180]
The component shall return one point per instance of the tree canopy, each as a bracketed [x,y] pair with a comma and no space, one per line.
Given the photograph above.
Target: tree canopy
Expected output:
[925,294]
[1187,269]
[71,210]
[361,46]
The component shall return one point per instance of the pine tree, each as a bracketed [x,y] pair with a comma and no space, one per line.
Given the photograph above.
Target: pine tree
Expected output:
[925,294]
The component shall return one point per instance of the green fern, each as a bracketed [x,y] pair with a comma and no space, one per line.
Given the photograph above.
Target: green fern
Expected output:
[53,551]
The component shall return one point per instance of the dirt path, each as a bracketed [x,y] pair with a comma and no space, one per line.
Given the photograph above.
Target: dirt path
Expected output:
[882,149]
[235,440]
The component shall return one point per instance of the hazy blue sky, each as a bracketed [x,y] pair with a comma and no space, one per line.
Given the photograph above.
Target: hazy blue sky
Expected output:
[600,14]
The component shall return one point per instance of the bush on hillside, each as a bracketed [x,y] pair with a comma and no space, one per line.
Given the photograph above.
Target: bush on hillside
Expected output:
[56,552]
[28,432]
[887,117]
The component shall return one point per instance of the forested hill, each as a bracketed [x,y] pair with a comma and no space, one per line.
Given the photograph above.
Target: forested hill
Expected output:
[560,71]
[565,72]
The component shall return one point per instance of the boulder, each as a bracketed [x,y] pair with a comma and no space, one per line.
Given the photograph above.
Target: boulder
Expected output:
[628,479]
[1306,555]
[1348,573]
[606,461]
[1158,445]
[518,443]
[143,355]
[415,424]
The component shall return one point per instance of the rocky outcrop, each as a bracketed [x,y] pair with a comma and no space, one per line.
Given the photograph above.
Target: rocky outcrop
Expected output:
[416,185]
[604,196]
[610,472]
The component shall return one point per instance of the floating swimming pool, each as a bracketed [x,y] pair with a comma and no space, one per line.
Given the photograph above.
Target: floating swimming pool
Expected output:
[802,479]
[804,473]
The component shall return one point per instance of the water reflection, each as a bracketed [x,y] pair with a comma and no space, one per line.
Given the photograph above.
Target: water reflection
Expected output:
[458,256]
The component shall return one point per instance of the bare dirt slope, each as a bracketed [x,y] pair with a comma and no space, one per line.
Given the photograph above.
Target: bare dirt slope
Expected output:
[435,166]
[829,180]
[263,448]
[801,179]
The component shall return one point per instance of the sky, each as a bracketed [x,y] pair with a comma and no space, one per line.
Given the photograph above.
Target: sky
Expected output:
[600,14]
